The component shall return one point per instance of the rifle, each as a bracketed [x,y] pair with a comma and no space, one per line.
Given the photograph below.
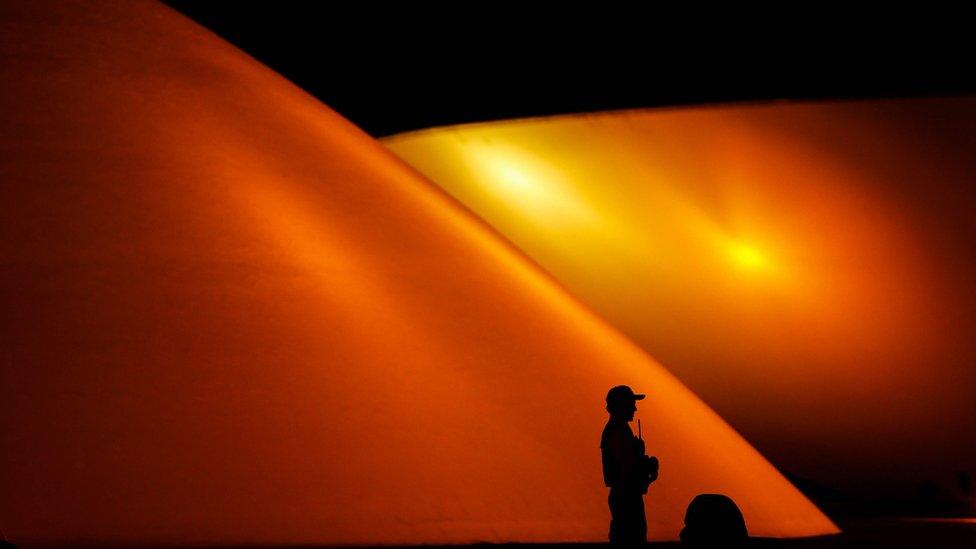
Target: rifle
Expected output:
[650,463]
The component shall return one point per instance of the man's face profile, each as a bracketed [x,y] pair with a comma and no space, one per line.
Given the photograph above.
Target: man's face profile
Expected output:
[631,409]
[624,409]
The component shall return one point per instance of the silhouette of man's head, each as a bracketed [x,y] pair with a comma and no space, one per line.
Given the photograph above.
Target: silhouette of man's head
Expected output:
[621,402]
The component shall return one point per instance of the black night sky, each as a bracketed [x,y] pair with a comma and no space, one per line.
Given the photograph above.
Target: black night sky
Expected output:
[395,68]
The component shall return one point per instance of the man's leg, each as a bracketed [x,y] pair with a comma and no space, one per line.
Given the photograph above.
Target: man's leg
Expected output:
[640,526]
[627,523]
[614,518]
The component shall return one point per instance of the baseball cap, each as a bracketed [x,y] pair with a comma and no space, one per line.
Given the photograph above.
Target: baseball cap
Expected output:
[623,393]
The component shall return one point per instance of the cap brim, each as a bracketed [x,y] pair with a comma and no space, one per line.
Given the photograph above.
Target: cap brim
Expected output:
[639,396]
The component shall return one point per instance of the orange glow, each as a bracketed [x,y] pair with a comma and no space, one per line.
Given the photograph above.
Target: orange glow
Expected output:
[806,269]
[231,317]
[747,257]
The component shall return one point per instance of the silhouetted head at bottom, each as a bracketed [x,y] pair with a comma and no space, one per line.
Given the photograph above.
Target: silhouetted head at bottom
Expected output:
[713,520]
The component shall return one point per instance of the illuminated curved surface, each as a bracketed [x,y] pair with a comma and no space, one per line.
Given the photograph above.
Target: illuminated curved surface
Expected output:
[806,269]
[232,317]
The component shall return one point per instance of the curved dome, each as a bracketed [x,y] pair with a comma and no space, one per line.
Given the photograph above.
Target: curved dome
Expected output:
[805,268]
[232,317]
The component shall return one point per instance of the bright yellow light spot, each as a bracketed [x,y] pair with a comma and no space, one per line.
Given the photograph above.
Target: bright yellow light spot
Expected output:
[515,178]
[529,186]
[747,256]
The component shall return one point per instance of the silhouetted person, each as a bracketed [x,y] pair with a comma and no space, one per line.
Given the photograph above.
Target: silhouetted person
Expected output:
[965,482]
[626,470]
[4,543]
[966,500]
[714,520]
[927,498]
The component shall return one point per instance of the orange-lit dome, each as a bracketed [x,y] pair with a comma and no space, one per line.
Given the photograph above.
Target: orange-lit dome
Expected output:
[806,269]
[232,317]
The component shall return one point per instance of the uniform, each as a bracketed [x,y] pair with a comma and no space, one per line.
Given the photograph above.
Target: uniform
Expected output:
[624,474]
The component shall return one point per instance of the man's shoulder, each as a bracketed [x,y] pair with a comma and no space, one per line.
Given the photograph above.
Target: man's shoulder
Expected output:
[615,430]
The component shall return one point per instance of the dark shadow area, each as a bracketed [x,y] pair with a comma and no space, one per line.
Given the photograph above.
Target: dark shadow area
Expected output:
[866,534]
[861,534]
[713,520]
[954,498]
